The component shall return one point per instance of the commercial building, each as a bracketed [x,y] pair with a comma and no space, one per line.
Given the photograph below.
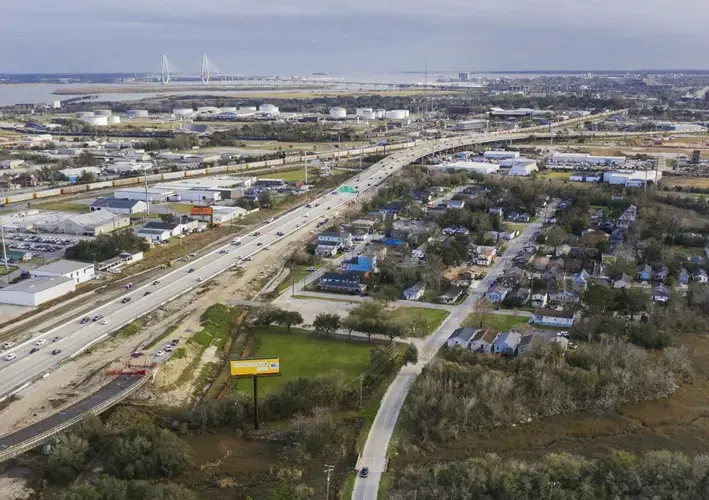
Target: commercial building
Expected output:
[523,167]
[15,163]
[123,259]
[470,166]
[79,272]
[631,178]
[73,174]
[574,160]
[93,223]
[500,155]
[116,206]
[36,291]
[151,195]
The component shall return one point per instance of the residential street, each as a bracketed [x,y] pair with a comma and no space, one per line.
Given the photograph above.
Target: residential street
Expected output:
[374,455]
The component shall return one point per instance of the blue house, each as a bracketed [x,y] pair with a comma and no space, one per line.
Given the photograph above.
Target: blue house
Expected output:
[415,292]
[359,264]
[683,278]
[497,294]
[645,272]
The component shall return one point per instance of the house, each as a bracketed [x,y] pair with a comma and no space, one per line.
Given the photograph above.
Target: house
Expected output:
[529,342]
[342,239]
[453,204]
[645,272]
[506,343]
[563,250]
[452,295]
[540,264]
[326,250]
[530,247]
[497,293]
[683,277]
[660,293]
[486,257]
[521,295]
[564,297]
[461,337]
[415,292]
[562,342]
[540,300]
[700,275]
[581,280]
[627,217]
[482,340]
[115,206]
[661,273]
[512,216]
[153,235]
[623,281]
[523,218]
[391,209]
[174,228]
[497,211]
[423,195]
[343,282]
[551,317]
[359,264]
[363,225]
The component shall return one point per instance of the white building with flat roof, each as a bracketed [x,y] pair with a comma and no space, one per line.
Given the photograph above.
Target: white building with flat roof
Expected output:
[36,291]
[80,272]
[523,167]
[93,223]
[578,159]
[500,155]
[153,195]
[470,166]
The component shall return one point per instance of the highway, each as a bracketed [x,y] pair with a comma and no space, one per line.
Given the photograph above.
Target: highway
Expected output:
[375,453]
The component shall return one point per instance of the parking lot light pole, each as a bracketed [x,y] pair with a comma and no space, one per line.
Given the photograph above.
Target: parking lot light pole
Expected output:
[4,248]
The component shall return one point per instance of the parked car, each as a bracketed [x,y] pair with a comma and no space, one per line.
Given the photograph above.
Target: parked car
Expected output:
[311,269]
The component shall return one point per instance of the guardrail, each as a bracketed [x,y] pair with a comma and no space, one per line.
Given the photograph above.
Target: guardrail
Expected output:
[39,439]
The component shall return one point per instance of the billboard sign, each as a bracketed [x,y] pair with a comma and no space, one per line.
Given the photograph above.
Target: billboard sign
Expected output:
[254,366]
[201,211]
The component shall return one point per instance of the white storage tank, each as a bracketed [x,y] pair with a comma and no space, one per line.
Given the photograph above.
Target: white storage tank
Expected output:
[395,114]
[362,111]
[407,113]
[379,113]
[230,109]
[248,109]
[97,121]
[268,109]
[338,113]
[368,115]
[102,112]
[137,113]
[82,115]
[114,120]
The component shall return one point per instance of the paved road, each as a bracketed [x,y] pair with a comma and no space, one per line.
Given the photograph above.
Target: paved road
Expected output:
[374,455]
[110,390]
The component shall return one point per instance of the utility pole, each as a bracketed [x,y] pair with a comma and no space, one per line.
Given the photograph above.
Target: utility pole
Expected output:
[4,248]
[147,201]
[328,470]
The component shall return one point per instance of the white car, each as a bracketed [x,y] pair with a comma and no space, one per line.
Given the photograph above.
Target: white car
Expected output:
[200,279]
[41,341]
[105,321]
[10,356]
[168,348]
[160,353]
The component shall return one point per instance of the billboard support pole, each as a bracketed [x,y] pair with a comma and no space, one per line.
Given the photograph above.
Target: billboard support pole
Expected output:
[256,402]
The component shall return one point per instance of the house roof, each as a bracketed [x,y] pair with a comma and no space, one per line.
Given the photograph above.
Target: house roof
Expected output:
[165,226]
[453,291]
[465,334]
[485,335]
[552,313]
[416,288]
[508,338]
[341,276]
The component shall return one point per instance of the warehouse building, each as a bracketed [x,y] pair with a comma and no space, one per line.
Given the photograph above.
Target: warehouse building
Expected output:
[36,291]
[573,160]
[523,167]
[93,223]
[631,178]
[73,174]
[500,155]
[116,206]
[79,272]
[470,166]
[135,193]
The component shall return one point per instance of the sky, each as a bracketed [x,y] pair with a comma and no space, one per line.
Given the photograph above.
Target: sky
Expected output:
[287,37]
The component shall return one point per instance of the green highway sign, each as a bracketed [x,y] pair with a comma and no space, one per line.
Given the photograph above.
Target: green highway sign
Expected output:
[347,189]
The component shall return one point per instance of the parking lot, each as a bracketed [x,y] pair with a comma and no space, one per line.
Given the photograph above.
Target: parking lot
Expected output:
[49,246]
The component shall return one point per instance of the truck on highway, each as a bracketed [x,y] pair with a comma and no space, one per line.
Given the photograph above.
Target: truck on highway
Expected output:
[236,241]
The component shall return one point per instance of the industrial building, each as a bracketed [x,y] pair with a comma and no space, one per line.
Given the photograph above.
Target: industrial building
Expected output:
[500,155]
[269,110]
[36,291]
[222,215]
[150,195]
[468,125]
[574,160]
[79,272]
[631,178]
[73,174]
[93,223]
[119,206]
[523,167]
[470,166]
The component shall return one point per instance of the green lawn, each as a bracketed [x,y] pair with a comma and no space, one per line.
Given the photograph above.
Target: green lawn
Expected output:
[555,175]
[181,208]
[6,270]
[431,318]
[297,274]
[301,355]
[500,322]
[289,175]
[64,206]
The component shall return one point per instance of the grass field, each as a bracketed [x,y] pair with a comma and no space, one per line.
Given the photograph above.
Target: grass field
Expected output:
[297,274]
[432,318]
[561,176]
[304,356]
[697,182]
[6,270]
[64,206]
[289,175]
[500,322]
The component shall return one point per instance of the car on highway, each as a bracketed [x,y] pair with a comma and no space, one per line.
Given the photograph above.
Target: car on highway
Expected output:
[56,351]
[259,244]
[84,320]
[147,293]
[105,321]
[223,251]
[56,339]
[191,270]
[125,300]
[168,348]
[156,282]
[34,350]
[279,233]
[256,233]
[250,257]
[7,345]
[41,341]
[136,354]
[175,341]
[364,472]
[267,247]
[200,279]
[160,353]
[97,317]
[10,356]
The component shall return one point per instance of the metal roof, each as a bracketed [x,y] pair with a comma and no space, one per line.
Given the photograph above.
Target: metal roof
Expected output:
[36,285]
[63,267]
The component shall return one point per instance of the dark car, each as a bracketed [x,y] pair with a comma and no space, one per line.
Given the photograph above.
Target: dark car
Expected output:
[146,293]
[125,299]
[259,244]
[175,341]
[56,351]
[364,472]
[97,317]
[137,354]
[191,270]
[56,339]
[85,320]
[156,282]
[34,350]
[279,233]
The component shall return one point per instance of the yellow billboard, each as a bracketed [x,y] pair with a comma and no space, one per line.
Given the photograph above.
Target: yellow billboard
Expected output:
[201,211]
[254,366]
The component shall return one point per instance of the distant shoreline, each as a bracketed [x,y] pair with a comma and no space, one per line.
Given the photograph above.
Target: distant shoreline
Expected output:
[161,89]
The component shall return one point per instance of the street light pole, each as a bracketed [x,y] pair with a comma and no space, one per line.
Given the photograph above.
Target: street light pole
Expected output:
[328,470]
[4,248]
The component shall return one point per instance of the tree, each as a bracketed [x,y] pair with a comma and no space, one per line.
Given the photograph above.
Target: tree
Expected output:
[265,199]
[327,323]
[598,299]
[411,355]
[393,329]
[633,301]
[289,318]
[86,177]
[350,323]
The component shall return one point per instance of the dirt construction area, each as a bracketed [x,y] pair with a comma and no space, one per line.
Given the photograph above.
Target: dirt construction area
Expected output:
[180,319]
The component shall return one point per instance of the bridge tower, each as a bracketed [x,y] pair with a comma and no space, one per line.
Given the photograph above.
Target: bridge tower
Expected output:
[165,71]
[205,73]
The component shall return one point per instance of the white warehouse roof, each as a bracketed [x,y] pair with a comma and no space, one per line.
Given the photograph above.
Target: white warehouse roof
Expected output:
[64,266]
[474,166]
[36,285]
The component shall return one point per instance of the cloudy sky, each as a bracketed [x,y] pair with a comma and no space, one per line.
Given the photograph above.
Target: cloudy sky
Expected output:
[352,37]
